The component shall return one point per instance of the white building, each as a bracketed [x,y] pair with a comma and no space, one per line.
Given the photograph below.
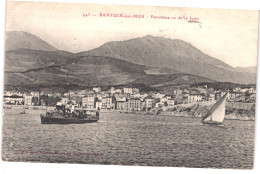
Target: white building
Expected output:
[212,97]
[194,98]
[27,99]
[119,91]
[237,89]
[97,89]
[64,100]
[251,90]
[165,98]
[128,90]
[13,93]
[123,99]
[158,95]
[99,104]
[159,104]
[35,94]
[89,101]
[107,103]
[170,102]
[14,99]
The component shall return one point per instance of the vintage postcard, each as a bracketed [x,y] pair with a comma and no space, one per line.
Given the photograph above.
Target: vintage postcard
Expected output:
[129,85]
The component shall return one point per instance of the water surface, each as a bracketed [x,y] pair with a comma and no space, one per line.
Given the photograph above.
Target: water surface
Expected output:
[126,139]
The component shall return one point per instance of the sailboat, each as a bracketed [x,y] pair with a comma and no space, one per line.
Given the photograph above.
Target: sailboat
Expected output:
[216,114]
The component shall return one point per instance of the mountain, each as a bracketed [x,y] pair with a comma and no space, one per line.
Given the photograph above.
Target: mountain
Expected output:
[174,54]
[148,61]
[19,39]
[50,68]
[250,69]
[21,59]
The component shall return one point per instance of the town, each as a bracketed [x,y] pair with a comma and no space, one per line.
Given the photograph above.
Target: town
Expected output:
[128,98]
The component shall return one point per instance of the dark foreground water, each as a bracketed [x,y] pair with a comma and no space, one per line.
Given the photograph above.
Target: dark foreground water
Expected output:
[126,139]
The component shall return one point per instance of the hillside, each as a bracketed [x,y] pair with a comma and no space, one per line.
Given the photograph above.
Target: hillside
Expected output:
[19,39]
[85,71]
[175,54]
[148,62]
[23,59]
[251,69]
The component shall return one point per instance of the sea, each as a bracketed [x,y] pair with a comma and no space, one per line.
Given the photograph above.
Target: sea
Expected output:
[129,139]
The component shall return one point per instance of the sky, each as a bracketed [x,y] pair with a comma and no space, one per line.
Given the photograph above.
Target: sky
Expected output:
[228,35]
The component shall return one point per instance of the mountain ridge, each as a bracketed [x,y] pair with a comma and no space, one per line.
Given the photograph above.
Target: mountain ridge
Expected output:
[94,70]
[175,54]
[20,39]
[113,66]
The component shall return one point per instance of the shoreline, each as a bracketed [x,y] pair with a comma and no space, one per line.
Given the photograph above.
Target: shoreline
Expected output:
[231,116]
[228,117]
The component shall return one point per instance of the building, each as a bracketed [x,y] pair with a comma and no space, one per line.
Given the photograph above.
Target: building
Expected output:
[64,100]
[27,99]
[237,89]
[251,91]
[118,91]
[177,92]
[35,94]
[211,97]
[171,102]
[142,105]
[112,90]
[97,89]
[253,97]
[244,90]
[121,95]
[233,95]
[194,98]
[67,94]
[159,104]
[135,90]
[222,93]
[99,104]
[184,100]
[126,105]
[166,98]
[128,90]
[107,103]
[120,105]
[89,101]
[134,104]
[149,102]
[99,97]
[13,93]
[158,95]
[13,99]
[122,99]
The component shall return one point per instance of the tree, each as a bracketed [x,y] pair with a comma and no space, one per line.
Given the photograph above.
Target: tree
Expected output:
[35,100]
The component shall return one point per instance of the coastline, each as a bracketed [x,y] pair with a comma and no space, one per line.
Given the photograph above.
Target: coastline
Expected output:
[177,111]
[154,111]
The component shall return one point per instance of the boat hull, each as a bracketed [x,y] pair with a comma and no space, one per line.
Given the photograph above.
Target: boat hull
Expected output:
[60,120]
[212,123]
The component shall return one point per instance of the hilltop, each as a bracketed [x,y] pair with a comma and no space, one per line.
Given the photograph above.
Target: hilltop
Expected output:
[148,62]
[174,54]
[19,39]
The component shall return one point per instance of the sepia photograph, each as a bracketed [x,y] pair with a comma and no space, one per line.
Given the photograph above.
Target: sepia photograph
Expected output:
[129,85]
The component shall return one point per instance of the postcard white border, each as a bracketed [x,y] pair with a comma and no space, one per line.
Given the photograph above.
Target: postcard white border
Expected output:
[43,168]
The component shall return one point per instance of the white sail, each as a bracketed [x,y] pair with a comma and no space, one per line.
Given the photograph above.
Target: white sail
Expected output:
[207,119]
[217,112]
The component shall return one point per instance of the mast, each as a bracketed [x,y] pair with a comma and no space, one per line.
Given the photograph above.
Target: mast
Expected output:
[67,84]
[197,73]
